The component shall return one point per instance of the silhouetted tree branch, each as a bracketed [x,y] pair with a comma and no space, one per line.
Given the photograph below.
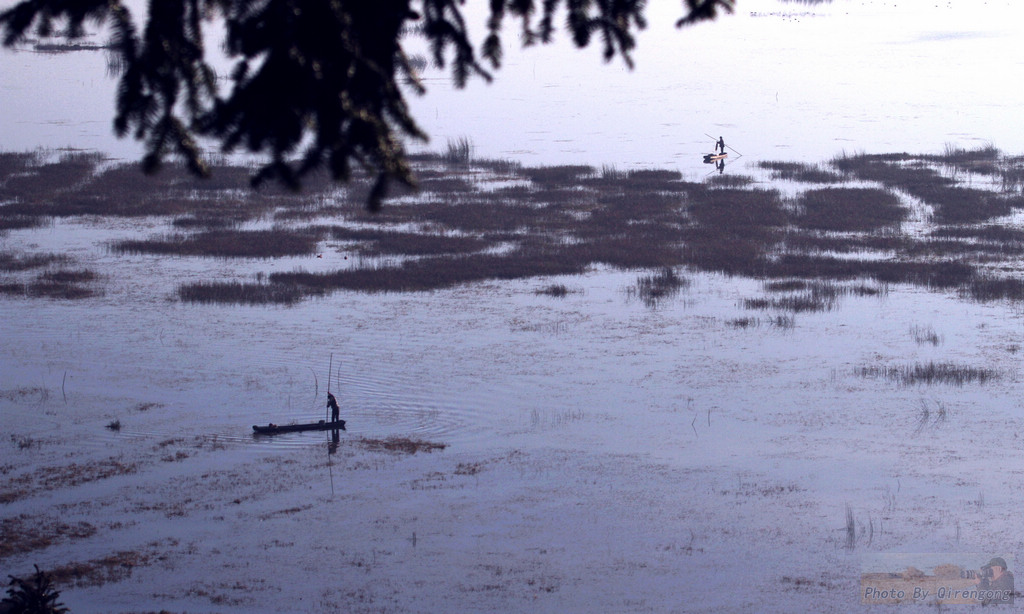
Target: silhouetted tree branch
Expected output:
[314,83]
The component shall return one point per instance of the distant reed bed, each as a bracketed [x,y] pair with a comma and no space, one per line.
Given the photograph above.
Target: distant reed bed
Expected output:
[842,227]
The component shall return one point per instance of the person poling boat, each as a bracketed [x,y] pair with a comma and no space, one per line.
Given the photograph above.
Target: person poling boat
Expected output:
[718,155]
[333,404]
[719,152]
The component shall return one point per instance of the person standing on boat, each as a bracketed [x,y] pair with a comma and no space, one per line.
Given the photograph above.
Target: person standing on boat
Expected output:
[720,146]
[333,404]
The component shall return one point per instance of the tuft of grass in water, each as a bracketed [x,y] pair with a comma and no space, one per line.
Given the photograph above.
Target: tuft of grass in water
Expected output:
[744,322]
[114,425]
[459,151]
[800,303]
[653,289]
[931,373]
[812,296]
[925,334]
[555,290]
[610,173]
[851,529]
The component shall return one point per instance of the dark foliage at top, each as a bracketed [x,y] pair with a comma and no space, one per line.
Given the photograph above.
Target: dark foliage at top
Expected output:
[314,84]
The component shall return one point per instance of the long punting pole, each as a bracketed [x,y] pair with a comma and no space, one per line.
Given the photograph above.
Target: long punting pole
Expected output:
[330,367]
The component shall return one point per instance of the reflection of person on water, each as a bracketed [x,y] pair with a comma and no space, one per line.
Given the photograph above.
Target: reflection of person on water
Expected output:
[333,404]
[720,165]
[720,145]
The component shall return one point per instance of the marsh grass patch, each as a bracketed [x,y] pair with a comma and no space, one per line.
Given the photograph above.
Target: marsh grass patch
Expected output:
[796,303]
[729,181]
[27,533]
[849,209]
[13,162]
[992,288]
[978,159]
[69,276]
[801,172]
[13,289]
[274,243]
[378,241]
[64,285]
[931,373]
[566,174]
[402,445]
[554,291]
[659,287]
[953,203]
[805,296]
[11,262]
[433,273]
[17,222]
[114,567]
[63,476]
[243,293]
[33,180]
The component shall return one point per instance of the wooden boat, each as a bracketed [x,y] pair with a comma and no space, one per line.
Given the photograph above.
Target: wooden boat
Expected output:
[273,429]
[711,157]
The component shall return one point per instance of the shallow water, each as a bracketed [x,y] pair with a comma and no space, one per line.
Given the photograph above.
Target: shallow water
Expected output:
[759,436]
[779,80]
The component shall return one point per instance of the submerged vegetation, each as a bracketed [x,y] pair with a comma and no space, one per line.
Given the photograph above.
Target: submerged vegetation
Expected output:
[841,232]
